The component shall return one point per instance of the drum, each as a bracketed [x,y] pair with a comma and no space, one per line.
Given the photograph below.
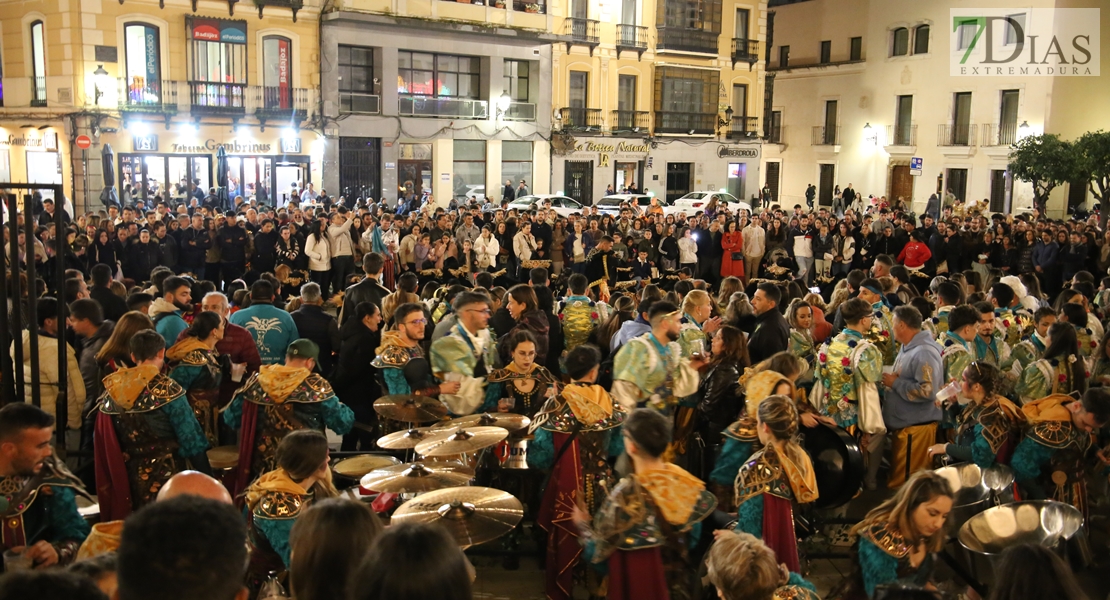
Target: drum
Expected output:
[513,454]
[350,470]
[837,464]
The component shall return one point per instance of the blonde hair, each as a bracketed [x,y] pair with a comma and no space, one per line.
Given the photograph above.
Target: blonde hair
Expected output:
[695,298]
[815,300]
[742,567]
[792,311]
[729,286]
[897,512]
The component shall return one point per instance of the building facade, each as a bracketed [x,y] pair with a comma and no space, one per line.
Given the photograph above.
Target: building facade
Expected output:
[860,88]
[663,96]
[166,85]
[436,97]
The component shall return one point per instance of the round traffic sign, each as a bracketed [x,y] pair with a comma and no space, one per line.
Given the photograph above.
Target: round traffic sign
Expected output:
[83,142]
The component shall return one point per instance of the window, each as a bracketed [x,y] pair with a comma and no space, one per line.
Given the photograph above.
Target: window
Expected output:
[691,14]
[903,122]
[784,57]
[855,51]
[965,33]
[277,72]
[470,166]
[357,89]
[219,51]
[686,100]
[516,80]
[829,131]
[441,75]
[38,64]
[580,9]
[742,18]
[579,89]
[826,52]
[961,119]
[921,39]
[1015,31]
[774,132]
[739,100]
[628,12]
[626,92]
[516,163]
[900,45]
[143,68]
[1008,117]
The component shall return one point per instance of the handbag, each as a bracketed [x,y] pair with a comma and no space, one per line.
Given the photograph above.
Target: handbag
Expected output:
[867,397]
[737,256]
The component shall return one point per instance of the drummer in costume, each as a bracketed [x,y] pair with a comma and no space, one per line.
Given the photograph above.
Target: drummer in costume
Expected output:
[949,296]
[145,431]
[576,434]
[195,366]
[649,370]
[697,323]
[990,427]
[773,479]
[881,332]
[799,314]
[37,492]
[1032,347]
[956,354]
[279,399]
[742,567]
[649,522]
[899,538]
[1050,463]
[1062,370]
[523,386]
[601,268]
[990,345]
[1011,321]
[400,359]
[467,351]
[276,499]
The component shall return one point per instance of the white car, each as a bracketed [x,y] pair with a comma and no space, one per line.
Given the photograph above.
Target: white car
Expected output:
[473,192]
[697,201]
[611,205]
[562,205]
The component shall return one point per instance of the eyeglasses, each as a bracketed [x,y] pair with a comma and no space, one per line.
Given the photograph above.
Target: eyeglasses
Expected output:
[417,322]
[485,311]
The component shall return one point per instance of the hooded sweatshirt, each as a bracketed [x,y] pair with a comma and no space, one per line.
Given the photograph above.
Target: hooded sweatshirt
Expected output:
[167,320]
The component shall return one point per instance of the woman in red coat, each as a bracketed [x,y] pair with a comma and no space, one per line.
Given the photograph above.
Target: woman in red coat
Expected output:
[915,254]
[732,263]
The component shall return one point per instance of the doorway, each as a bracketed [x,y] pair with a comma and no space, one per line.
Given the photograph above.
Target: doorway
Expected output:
[578,182]
[286,176]
[415,176]
[772,180]
[825,185]
[737,173]
[360,167]
[629,175]
[901,185]
[998,190]
[1077,195]
[679,177]
[957,182]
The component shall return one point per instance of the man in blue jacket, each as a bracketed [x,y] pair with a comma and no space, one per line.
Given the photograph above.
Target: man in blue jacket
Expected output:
[272,328]
[1045,253]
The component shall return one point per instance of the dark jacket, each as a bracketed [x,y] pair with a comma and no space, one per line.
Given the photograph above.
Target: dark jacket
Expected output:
[111,305]
[354,379]
[194,245]
[534,321]
[719,395]
[90,371]
[367,290]
[315,324]
[142,258]
[771,335]
[265,251]
[233,244]
[169,248]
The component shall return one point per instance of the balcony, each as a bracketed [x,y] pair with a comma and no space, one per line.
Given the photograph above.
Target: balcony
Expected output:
[1000,135]
[745,50]
[582,32]
[520,111]
[581,120]
[955,135]
[359,103]
[903,134]
[452,108]
[687,40]
[279,103]
[685,123]
[825,136]
[743,127]
[217,99]
[634,121]
[538,8]
[632,37]
[38,91]
[136,95]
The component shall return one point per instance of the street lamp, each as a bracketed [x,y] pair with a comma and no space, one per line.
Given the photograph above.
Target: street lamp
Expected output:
[99,76]
[725,122]
[1023,129]
[503,103]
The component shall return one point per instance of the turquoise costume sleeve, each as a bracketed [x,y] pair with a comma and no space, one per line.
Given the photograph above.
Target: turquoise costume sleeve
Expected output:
[694,536]
[749,516]
[171,327]
[233,414]
[493,395]
[733,455]
[277,533]
[1027,462]
[959,453]
[337,416]
[616,442]
[799,581]
[190,437]
[66,523]
[185,375]
[876,566]
[541,450]
[395,382]
[981,451]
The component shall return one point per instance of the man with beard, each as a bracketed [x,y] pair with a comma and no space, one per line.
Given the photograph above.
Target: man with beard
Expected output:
[772,332]
[177,299]
[650,370]
[601,267]
[467,351]
[41,522]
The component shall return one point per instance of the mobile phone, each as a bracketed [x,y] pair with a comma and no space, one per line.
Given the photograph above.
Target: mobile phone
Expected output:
[815,290]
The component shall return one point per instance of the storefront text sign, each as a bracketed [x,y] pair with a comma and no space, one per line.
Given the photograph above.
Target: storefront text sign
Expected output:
[724,151]
[232,147]
[19,140]
[621,148]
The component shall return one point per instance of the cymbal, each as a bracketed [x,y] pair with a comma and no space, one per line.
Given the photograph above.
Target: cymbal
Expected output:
[357,466]
[414,478]
[509,421]
[403,440]
[472,515]
[461,440]
[410,408]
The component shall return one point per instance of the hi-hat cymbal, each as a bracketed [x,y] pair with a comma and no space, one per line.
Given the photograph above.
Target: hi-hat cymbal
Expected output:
[509,421]
[409,408]
[473,515]
[403,440]
[414,478]
[461,440]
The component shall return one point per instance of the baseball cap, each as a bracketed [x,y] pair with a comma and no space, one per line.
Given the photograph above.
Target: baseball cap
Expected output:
[303,348]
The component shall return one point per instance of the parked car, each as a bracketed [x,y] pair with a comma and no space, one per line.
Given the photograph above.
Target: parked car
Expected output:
[562,205]
[611,205]
[697,201]
[473,192]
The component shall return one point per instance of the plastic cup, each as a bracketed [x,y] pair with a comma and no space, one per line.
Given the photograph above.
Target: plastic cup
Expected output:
[17,561]
[237,371]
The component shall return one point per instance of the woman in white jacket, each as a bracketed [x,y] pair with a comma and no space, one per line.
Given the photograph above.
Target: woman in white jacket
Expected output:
[843,250]
[688,250]
[486,249]
[318,251]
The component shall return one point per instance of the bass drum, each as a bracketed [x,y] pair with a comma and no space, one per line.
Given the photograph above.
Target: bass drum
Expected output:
[837,464]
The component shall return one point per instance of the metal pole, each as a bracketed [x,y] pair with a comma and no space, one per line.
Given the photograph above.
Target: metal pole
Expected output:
[16,296]
[7,391]
[32,297]
[61,248]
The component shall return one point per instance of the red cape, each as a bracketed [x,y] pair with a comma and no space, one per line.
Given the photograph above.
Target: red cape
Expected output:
[113,486]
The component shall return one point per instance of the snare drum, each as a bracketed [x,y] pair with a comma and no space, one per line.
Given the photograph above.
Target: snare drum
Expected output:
[513,454]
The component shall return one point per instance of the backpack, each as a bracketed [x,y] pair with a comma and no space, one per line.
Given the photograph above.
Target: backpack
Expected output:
[579,318]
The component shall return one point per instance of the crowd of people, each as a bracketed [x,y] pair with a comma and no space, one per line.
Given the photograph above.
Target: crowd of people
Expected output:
[669,365]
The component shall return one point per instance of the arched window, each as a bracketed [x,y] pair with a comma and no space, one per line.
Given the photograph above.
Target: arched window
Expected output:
[921,39]
[277,72]
[38,64]
[142,52]
[901,42]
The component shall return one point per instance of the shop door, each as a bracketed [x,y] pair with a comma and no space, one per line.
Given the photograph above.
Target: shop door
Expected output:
[737,173]
[901,184]
[679,178]
[629,175]
[288,176]
[415,176]
[825,186]
[360,173]
[578,182]
[998,190]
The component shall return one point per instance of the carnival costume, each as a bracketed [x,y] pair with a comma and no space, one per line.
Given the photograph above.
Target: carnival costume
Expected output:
[196,368]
